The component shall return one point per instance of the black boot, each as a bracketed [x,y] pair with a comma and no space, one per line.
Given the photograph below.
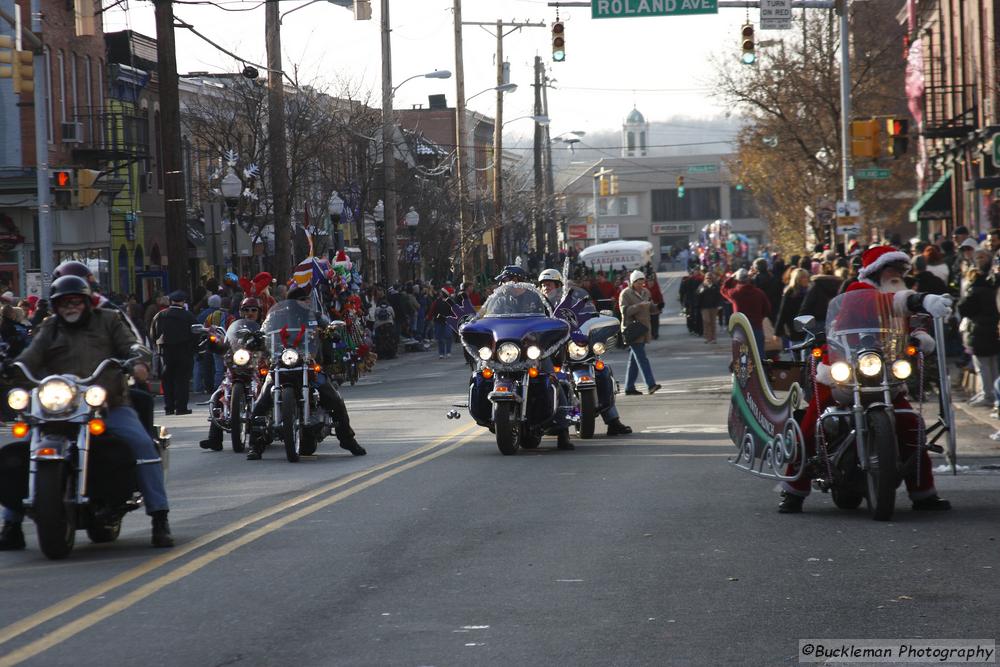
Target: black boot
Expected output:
[161,530]
[563,442]
[11,536]
[790,503]
[210,444]
[254,452]
[353,447]
[616,427]
[931,503]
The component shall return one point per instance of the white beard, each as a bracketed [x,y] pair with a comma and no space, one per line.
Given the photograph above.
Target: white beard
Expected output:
[74,318]
[891,285]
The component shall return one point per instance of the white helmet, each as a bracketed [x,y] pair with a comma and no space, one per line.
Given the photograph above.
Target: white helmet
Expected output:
[550,274]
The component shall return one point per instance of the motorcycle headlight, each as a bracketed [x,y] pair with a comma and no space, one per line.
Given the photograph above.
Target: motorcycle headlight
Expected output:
[485,353]
[18,399]
[290,357]
[599,348]
[902,369]
[508,353]
[241,357]
[577,352]
[870,364]
[56,395]
[840,371]
[95,396]
[534,352]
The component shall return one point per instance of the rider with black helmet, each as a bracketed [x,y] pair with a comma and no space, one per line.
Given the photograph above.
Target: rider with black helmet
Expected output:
[76,341]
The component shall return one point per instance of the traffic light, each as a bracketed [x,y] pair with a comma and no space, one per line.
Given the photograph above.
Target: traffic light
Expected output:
[63,184]
[614,184]
[748,44]
[558,42]
[18,65]
[897,132]
[87,190]
[603,185]
[865,139]
[680,187]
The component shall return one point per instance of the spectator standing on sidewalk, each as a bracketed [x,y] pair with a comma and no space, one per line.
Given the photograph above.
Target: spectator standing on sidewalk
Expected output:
[978,308]
[709,301]
[749,300]
[768,284]
[791,301]
[635,303]
[658,303]
[438,313]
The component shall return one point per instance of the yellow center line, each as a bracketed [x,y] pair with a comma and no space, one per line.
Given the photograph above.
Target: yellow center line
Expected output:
[79,625]
[51,612]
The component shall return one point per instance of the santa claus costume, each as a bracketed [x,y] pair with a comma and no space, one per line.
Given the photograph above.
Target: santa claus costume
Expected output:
[882,270]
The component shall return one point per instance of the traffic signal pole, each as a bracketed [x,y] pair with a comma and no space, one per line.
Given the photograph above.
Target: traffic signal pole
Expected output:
[46,260]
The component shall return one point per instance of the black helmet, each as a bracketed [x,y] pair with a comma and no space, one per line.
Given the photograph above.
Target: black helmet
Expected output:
[512,273]
[72,268]
[68,285]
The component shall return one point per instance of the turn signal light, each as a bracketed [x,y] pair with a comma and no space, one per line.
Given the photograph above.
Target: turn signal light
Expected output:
[262,371]
[911,350]
[46,451]
[213,339]
[317,368]
[817,353]
[502,388]
[599,365]
[97,427]
[585,378]
[557,369]
[20,429]
[532,372]
[487,373]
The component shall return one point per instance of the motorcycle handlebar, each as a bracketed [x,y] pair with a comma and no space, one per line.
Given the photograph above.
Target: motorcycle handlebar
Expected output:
[121,363]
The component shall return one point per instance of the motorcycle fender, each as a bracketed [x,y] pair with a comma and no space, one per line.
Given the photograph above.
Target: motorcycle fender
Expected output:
[49,448]
[504,391]
[583,379]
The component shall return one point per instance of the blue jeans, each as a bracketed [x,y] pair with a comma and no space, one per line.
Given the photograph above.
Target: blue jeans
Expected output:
[605,381]
[123,423]
[442,332]
[220,370]
[637,359]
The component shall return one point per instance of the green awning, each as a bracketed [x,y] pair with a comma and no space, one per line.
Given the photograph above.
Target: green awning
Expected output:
[935,204]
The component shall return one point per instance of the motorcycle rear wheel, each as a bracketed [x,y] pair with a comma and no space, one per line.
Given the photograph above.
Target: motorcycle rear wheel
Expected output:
[508,430]
[237,407]
[105,533]
[883,468]
[291,433]
[588,413]
[54,523]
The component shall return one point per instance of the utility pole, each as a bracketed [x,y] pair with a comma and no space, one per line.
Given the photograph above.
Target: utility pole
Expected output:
[550,209]
[388,155]
[498,156]
[276,137]
[171,159]
[539,182]
[845,100]
[464,217]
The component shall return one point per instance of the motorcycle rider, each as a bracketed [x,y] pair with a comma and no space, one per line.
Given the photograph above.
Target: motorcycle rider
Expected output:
[249,311]
[883,268]
[76,341]
[520,300]
[329,397]
[551,282]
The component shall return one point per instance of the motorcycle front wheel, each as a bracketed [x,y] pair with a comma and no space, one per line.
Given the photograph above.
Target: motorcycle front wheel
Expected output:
[290,432]
[238,409]
[588,413]
[508,430]
[54,523]
[883,475]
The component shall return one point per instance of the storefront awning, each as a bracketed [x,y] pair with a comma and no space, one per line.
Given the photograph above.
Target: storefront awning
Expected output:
[935,204]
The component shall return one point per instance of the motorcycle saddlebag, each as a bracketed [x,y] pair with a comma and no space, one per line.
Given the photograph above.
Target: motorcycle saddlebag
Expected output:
[111,471]
[14,474]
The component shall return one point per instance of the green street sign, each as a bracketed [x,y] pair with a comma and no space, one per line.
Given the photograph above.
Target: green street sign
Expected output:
[616,9]
[702,169]
[873,174]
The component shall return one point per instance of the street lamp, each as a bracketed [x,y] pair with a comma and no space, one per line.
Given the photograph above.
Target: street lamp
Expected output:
[412,219]
[336,209]
[379,214]
[436,74]
[231,188]
[503,88]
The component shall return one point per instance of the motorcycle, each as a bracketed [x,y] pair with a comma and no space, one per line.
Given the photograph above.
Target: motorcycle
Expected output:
[587,344]
[69,475]
[514,391]
[241,347]
[291,337]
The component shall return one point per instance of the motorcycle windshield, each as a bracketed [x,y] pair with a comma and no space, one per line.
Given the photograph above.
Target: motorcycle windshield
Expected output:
[865,320]
[516,300]
[237,331]
[291,324]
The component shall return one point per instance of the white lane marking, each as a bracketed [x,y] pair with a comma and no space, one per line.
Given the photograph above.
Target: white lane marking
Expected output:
[685,428]
[475,627]
[569,581]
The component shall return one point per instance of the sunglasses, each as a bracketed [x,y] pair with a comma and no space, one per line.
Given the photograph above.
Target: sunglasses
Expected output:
[249,310]
[71,302]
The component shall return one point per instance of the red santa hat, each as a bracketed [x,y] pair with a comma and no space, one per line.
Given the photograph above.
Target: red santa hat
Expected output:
[875,259]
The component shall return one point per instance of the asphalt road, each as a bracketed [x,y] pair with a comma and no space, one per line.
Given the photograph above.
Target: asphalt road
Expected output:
[648,549]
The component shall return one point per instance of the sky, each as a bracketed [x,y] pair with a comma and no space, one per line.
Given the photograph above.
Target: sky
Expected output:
[662,65]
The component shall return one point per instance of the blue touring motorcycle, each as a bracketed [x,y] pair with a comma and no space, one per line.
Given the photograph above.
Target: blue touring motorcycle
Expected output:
[514,390]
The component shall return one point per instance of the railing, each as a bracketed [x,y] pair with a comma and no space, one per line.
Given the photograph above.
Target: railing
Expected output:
[116,132]
[950,111]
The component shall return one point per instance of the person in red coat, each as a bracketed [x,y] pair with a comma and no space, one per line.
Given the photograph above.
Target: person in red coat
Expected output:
[653,285]
[749,300]
[881,275]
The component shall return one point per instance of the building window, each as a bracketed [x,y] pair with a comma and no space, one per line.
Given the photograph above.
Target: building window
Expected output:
[61,60]
[618,206]
[100,83]
[75,108]
[89,82]
[742,204]
[697,204]
[631,142]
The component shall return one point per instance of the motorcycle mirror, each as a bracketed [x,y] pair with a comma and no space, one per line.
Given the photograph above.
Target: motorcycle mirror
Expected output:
[805,323]
[197,329]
